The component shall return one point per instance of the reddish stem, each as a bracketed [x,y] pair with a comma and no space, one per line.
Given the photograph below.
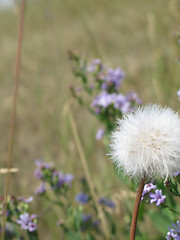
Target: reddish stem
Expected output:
[136,209]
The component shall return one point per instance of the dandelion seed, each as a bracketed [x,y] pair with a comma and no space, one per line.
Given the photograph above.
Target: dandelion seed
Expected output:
[147,143]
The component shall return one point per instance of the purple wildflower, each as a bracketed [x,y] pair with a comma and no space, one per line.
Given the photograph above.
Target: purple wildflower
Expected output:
[147,188]
[115,77]
[174,232]
[157,197]
[40,165]
[23,221]
[121,103]
[103,100]
[133,97]
[61,180]
[82,198]
[32,226]
[104,86]
[28,200]
[100,133]
[178,93]
[68,178]
[27,222]
[95,65]
[41,189]
[177,173]
[108,202]
[86,218]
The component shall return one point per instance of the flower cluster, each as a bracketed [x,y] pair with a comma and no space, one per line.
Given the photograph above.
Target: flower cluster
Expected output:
[174,233]
[17,212]
[103,85]
[48,174]
[156,197]
[28,222]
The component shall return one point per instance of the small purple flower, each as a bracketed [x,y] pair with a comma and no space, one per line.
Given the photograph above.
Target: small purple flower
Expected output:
[178,93]
[121,103]
[40,165]
[147,188]
[95,65]
[100,133]
[32,226]
[133,97]
[28,200]
[115,76]
[108,202]
[86,218]
[38,173]
[41,189]
[68,178]
[82,198]
[157,197]
[104,86]
[61,180]
[103,100]
[174,233]
[23,221]
[177,173]
[27,222]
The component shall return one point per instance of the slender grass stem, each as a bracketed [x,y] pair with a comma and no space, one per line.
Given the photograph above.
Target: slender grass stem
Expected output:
[13,115]
[136,209]
[87,173]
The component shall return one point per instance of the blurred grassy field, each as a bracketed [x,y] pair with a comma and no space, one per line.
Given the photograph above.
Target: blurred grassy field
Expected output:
[138,36]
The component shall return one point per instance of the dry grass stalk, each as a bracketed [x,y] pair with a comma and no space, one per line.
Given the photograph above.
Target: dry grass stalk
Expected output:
[13,115]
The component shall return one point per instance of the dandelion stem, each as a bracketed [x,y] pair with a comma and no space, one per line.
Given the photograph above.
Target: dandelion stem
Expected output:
[136,209]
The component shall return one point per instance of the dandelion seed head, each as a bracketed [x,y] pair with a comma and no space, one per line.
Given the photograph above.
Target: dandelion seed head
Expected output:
[147,142]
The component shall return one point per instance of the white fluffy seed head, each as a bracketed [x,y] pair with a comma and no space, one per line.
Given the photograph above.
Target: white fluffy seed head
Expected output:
[147,143]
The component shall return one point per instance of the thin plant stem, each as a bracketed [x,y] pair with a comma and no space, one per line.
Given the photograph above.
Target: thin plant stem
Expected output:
[136,209]
[13,115]
[87,173]
[170,209]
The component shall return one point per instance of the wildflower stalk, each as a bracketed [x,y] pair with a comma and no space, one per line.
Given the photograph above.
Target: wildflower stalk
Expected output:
[136,209]
[13,115]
